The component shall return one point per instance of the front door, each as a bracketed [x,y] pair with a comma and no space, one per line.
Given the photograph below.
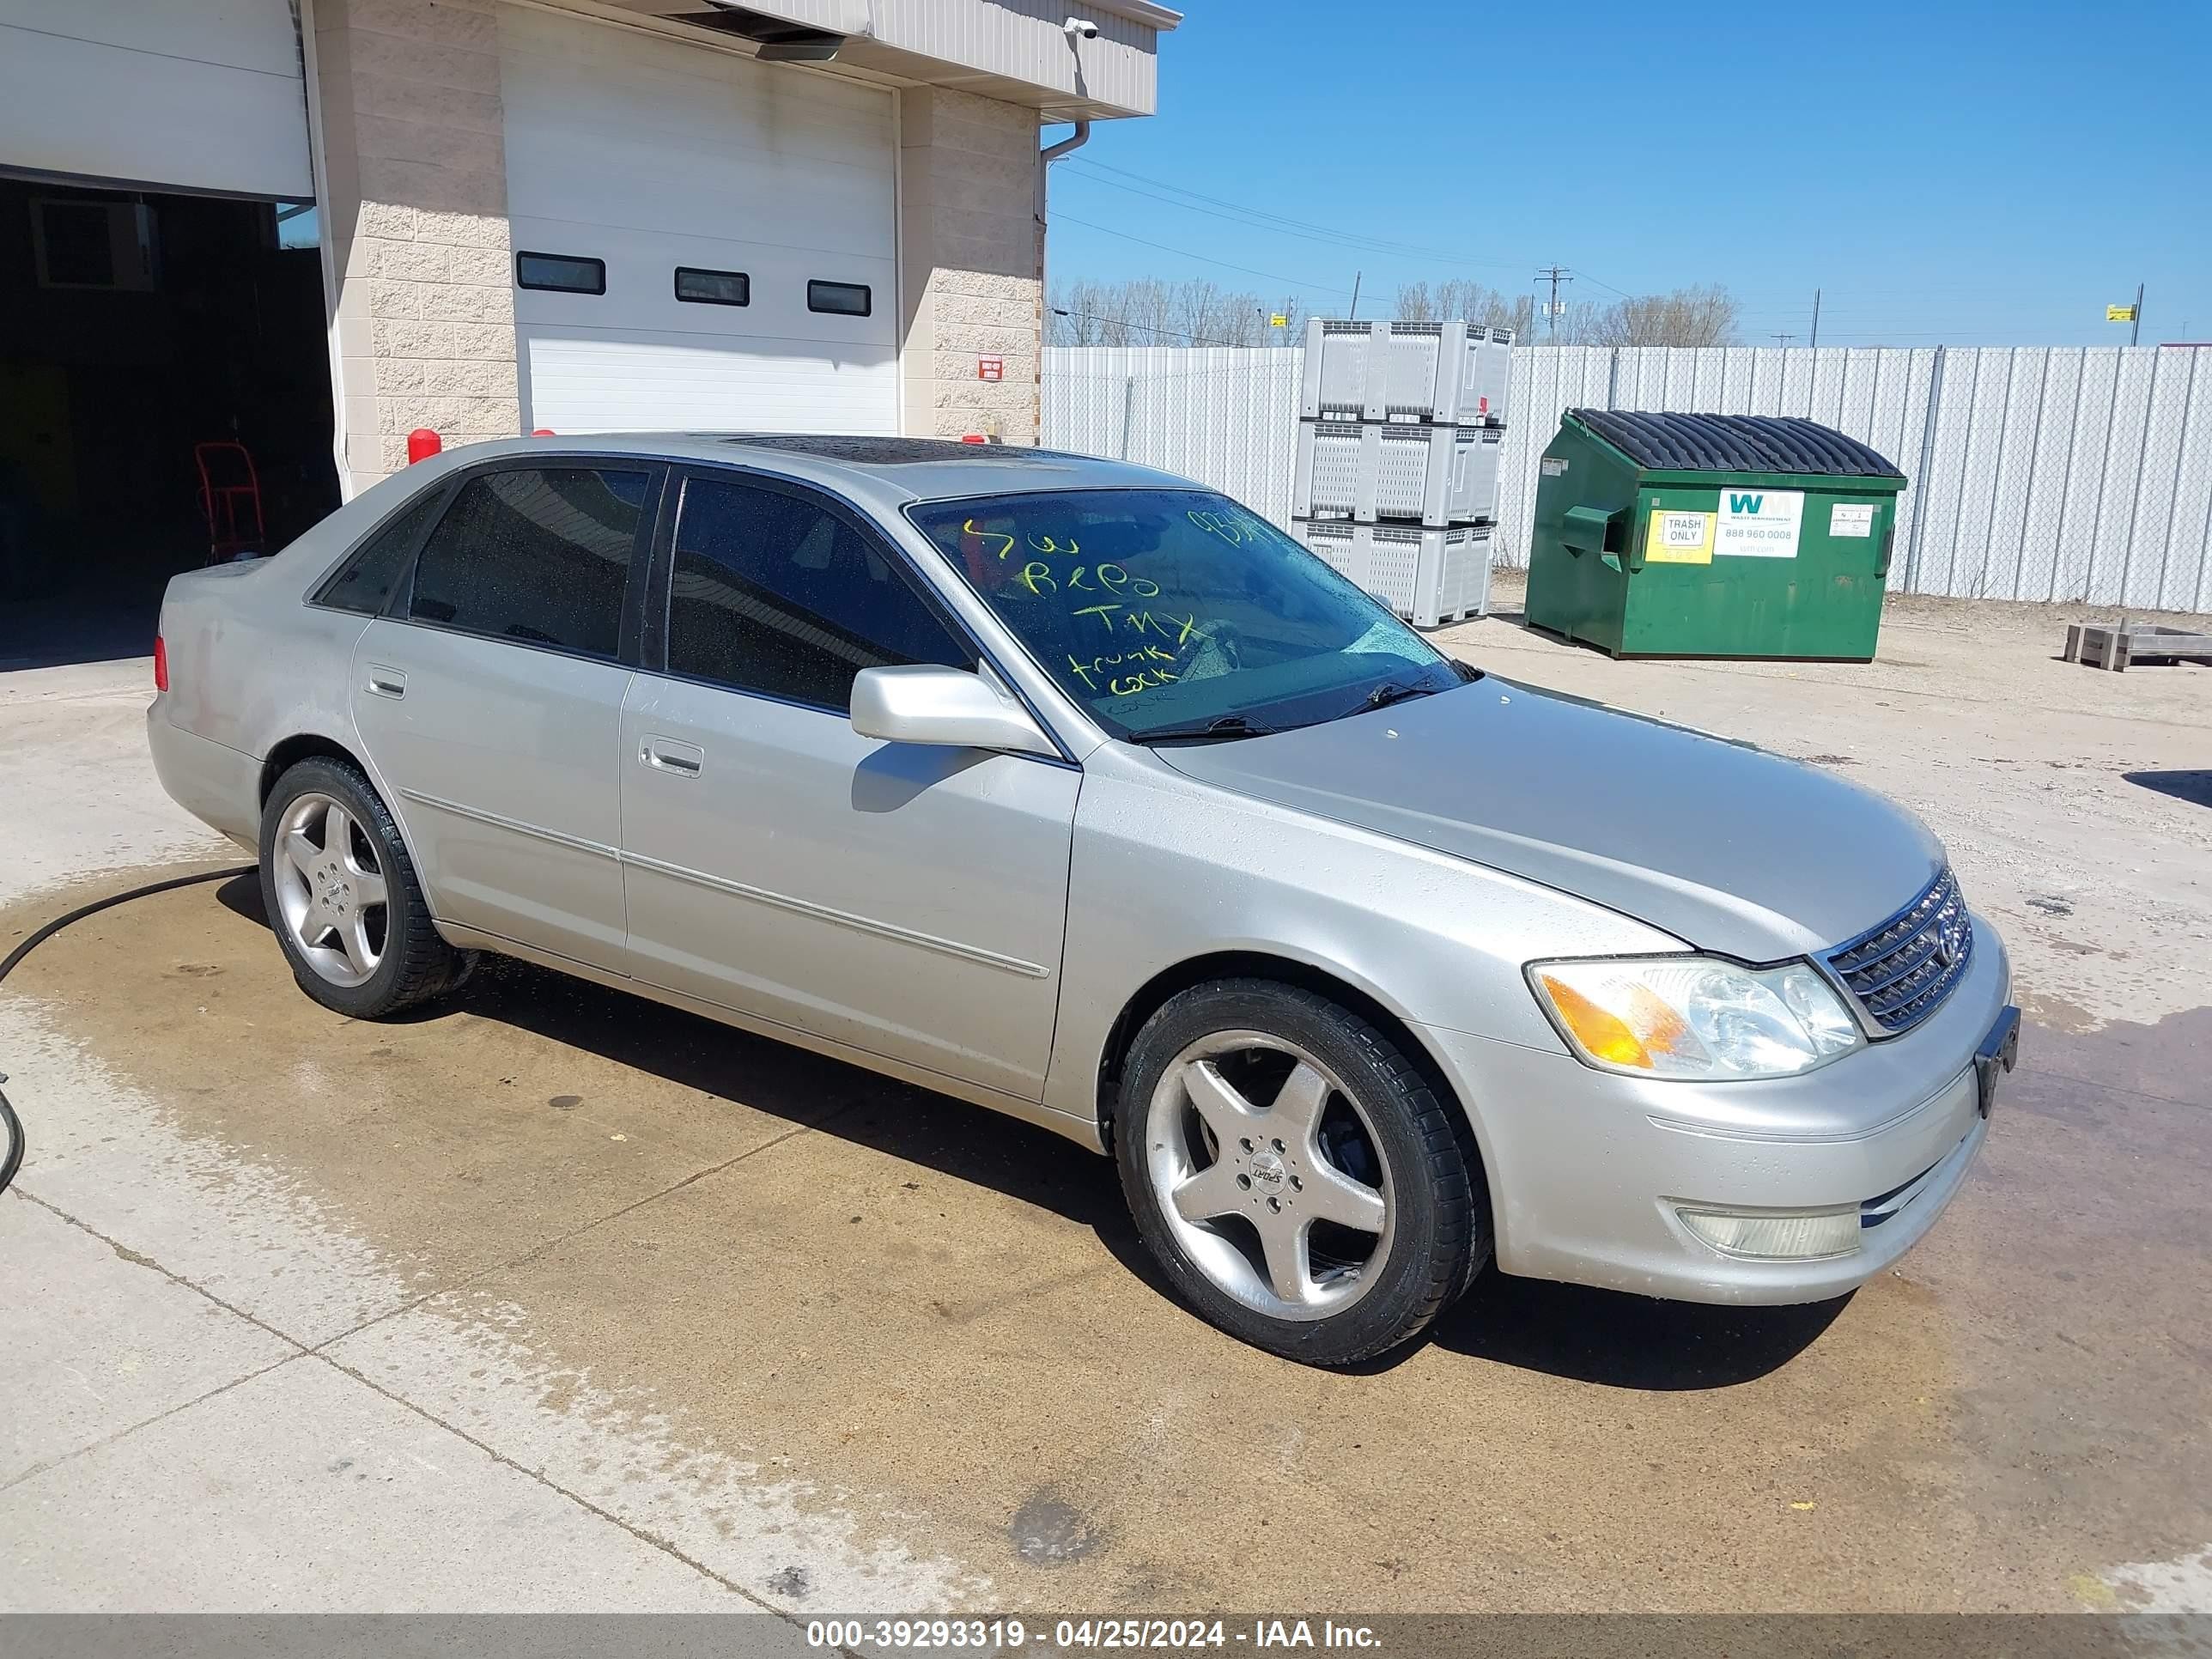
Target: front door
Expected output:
[905,900]
[489,701]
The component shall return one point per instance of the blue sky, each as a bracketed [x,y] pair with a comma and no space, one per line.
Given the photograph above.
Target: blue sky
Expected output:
[1945,173]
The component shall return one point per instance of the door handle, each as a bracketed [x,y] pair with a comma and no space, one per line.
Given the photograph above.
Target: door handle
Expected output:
[685,760]
[384,682]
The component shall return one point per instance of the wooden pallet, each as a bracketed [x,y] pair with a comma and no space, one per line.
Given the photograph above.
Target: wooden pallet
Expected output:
[2116,647]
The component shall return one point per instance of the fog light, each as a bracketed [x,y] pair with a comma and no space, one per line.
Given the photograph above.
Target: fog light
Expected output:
[1776,1235]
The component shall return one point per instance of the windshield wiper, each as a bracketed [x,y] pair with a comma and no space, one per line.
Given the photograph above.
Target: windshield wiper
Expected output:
[1392,691]
[1226,728]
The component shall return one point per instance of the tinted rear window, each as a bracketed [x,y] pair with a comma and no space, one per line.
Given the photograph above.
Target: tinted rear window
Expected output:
[538,556]
[364,581]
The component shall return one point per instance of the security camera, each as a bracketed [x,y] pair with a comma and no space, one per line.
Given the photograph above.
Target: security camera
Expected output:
[1082,27]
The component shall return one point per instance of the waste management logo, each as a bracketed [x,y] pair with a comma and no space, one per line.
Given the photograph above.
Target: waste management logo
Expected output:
[1758,524]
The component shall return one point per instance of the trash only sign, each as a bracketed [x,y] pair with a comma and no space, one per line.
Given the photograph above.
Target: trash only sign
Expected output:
[1679,538]
[1758,524]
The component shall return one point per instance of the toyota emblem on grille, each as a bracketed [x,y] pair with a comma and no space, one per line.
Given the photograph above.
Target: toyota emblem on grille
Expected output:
[1950,937]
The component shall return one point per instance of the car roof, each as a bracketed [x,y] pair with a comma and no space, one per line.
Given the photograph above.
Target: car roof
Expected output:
[887,472]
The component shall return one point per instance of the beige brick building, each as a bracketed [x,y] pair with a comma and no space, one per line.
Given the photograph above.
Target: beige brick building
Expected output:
[312,227]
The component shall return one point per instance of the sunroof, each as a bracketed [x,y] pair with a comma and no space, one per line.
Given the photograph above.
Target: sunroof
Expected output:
[891,452]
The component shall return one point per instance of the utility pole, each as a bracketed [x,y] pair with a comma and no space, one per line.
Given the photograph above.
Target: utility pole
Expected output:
[1555,275]
[1815,340]
[1354,314]
[1783,339]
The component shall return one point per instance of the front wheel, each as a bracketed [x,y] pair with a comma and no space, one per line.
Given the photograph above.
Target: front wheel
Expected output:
[1295,1175]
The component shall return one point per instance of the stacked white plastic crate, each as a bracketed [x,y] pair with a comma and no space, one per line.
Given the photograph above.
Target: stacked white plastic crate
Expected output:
[1400,428]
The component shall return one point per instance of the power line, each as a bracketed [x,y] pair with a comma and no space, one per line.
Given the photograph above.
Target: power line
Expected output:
[1208,258]
[1607,286]
[1259,218]
[1330,239]
[1180,334]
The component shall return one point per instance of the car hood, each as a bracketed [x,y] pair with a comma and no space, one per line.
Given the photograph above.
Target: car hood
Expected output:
[1722,845]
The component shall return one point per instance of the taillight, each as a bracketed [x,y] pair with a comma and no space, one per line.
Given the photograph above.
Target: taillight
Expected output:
[161,664]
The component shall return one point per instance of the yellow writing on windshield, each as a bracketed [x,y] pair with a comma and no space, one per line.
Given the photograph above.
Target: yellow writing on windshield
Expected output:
[1097,674]
[1100,593]
[969,524]
[1234,528]
[1038,578]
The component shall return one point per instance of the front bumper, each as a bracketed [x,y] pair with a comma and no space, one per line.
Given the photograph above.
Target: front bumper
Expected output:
[1588,1169]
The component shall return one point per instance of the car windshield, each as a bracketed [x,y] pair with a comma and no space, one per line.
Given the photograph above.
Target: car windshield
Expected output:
[1176,613]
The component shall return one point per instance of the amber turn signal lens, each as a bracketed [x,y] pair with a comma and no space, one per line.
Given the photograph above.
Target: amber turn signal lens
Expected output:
[1604,1036]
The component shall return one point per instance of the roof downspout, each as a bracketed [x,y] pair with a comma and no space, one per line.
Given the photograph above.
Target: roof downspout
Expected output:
[1075,140]
[1046,157]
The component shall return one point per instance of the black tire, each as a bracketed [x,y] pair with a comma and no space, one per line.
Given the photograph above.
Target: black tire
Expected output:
[415,963]
[1439,1235]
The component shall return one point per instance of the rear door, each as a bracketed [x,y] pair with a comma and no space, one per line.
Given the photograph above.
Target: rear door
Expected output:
[907,901]
[490,697]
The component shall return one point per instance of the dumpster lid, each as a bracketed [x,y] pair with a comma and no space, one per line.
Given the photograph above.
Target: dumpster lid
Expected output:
[1734,443]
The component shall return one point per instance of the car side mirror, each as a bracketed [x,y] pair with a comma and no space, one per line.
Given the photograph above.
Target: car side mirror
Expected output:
[947,708]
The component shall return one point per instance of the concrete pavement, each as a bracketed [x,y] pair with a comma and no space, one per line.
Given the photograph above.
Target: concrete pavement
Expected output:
[586,1303]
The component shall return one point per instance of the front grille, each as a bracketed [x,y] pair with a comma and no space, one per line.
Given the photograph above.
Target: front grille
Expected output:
[1902,970]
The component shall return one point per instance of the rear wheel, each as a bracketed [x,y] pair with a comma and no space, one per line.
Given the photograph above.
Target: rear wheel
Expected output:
[341,892]
[1294,1173]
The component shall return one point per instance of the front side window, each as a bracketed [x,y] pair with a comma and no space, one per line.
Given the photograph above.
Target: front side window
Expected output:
[773,594]
[1165,611]
[540,556]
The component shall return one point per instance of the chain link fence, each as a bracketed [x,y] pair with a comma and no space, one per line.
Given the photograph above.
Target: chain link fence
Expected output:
[2037,472]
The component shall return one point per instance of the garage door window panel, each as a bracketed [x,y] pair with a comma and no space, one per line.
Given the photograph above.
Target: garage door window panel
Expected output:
[839,299]
[779,595]
[561,273]
[539,556]
[713,287]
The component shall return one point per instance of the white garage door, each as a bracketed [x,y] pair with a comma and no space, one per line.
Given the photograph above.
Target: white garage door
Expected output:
[655,157]
[190,94]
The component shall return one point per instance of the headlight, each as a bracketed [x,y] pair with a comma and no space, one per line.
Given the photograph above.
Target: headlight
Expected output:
[1694,1017]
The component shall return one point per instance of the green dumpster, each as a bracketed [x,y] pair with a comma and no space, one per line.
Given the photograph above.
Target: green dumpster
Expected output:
[1712,536]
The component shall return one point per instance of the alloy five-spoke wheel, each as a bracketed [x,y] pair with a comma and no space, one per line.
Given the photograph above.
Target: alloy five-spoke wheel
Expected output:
[1295,1172]
[1268,1171]
[340,890]
[331,891]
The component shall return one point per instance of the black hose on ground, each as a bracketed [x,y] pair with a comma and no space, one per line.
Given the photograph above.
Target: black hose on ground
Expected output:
[11,1127]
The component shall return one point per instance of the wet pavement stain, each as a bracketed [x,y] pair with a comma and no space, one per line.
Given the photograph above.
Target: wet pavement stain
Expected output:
[2016,1408]
[1046,1531]
[790,1582]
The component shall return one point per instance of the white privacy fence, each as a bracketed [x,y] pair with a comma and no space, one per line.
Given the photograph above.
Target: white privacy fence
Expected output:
[2037,472]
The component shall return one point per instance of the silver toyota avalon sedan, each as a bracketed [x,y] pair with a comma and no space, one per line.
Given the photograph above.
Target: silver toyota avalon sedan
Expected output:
[1077,791]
